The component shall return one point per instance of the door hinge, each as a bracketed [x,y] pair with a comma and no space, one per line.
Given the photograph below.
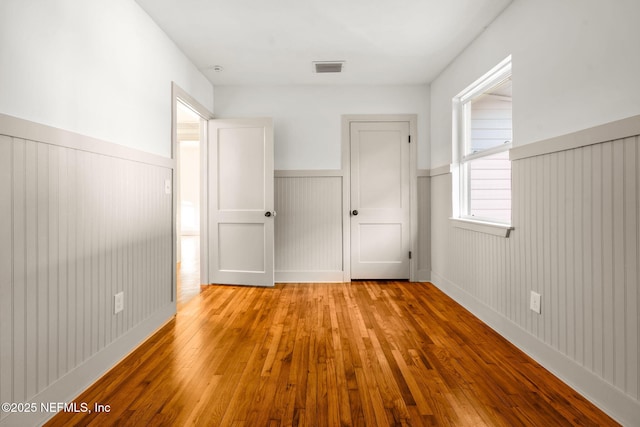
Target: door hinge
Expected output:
[409,254]
[409,139]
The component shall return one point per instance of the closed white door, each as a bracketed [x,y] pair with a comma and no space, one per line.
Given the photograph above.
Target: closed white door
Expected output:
[380,211]
[240,202]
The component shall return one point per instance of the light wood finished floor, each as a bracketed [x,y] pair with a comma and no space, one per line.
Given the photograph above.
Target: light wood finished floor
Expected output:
[188,269]
[361,354]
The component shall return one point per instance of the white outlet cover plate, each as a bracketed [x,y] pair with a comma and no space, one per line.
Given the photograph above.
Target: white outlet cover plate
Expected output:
[534,303]
[118,302]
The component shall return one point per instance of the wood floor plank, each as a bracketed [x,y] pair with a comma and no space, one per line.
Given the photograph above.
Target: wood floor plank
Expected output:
[342,354]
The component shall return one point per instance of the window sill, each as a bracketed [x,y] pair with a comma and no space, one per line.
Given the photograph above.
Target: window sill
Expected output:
[495,229]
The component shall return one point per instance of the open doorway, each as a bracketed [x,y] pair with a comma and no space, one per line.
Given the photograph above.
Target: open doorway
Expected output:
[189,147]
[189,135]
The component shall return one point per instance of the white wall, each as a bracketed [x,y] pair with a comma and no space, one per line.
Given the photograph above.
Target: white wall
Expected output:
[575,212]
[99,68]
[307,118]
[575,65]
[83,219]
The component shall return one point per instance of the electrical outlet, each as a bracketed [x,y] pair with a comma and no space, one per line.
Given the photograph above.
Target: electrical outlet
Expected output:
[118,302]
[534,303]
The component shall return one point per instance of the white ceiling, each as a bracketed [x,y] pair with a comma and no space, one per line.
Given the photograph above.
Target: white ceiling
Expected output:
[273,42]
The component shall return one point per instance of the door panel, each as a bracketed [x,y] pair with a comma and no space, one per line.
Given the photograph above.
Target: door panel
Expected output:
[241,161]
[381,243]
[379,170]
[240,181]
[380,238]
[241,257]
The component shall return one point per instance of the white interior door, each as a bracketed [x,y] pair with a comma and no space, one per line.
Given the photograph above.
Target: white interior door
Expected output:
[380,211]
[240,202]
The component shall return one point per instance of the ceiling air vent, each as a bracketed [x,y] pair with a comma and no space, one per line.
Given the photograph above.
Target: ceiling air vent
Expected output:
[328,66]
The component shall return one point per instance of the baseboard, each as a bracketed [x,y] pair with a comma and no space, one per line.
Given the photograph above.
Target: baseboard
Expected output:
[330,276]
[308,276]
[70,386]
[423,276]
[609,399]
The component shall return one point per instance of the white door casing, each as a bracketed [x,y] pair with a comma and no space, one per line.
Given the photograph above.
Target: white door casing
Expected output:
[240,202]
[380,212]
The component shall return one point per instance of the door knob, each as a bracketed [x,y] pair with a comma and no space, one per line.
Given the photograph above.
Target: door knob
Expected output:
[354,212]
[267,214]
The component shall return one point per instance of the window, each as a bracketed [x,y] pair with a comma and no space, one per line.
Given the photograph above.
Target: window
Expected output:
[482,139]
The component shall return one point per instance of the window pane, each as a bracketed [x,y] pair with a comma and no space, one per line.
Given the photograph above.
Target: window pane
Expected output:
[490,187]
[482,118]
[490,118]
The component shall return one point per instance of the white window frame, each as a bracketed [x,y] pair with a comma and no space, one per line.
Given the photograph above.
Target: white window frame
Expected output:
[461,125]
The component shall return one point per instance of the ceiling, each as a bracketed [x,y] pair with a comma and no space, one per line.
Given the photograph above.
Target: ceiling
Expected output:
[274,42]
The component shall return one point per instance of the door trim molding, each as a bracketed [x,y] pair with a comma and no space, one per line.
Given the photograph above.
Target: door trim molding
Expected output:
[179,94]
[347,119]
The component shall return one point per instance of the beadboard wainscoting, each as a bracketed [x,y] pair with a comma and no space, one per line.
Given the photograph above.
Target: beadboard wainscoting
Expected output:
[308,228]
[424,226]
[576,214]
[80,220]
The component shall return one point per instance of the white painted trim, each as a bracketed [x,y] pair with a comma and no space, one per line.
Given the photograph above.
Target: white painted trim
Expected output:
[602,394]
[440,170]
[178,94]
[346,196]
[308,173]
[204,204]
[598,134]
[347,119]
[423,173]
[496,229]
[25,129]
[490,79]
[380,118]
[309,276]
[413,194]
[84,375]
[191,102]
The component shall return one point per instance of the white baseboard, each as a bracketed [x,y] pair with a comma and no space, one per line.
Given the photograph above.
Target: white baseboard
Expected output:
[84,375]
[330,276]
[609,399]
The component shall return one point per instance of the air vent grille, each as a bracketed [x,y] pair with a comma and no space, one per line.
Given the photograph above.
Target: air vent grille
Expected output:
[328,66]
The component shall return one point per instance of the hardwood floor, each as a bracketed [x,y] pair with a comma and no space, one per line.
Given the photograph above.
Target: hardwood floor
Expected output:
[189,269]
[345,354]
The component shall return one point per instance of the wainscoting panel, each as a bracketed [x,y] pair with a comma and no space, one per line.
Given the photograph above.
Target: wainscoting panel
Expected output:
[308,228]
[424,229]
[76,227]
[577,233]
[576,241]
